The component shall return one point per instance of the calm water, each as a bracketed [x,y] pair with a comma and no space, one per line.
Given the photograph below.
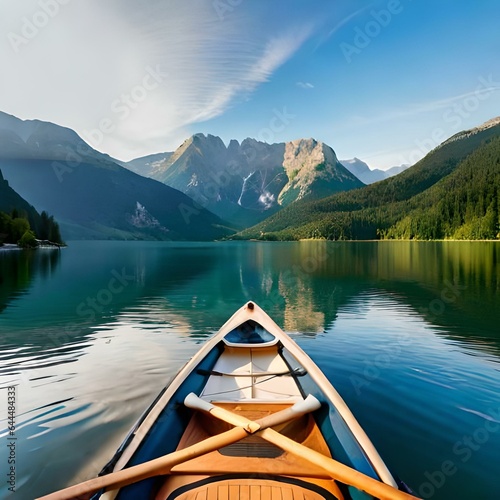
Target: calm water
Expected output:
[407,332]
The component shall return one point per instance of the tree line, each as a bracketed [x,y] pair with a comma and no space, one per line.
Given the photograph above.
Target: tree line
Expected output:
[15,228]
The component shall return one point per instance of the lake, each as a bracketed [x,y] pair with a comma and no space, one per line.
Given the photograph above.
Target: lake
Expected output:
[408,333]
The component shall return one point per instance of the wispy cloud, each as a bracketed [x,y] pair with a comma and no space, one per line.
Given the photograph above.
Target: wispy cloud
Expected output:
[206,65]
[305,85]
[245,76]
[346,19]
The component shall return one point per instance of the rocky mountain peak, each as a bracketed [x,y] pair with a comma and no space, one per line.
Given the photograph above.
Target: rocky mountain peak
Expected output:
[245,180]
[233,146]
[312,168]
[304,155]
[490,123]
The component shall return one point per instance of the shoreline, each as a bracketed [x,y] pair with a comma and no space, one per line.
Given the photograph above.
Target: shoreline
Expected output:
[389,241]
[9,246]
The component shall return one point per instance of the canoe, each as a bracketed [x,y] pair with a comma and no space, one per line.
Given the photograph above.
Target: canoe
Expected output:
[249,416]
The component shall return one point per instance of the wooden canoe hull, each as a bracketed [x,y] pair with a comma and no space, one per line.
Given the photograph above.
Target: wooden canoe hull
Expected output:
[252,368]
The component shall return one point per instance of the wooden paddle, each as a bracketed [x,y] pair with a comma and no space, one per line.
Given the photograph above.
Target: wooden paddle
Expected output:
[335,469]
[164,464]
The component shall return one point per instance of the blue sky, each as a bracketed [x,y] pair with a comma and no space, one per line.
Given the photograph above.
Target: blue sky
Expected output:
[381,80]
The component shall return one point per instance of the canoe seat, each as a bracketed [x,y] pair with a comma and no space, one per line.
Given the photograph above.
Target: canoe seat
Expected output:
[255,488]
[252,374]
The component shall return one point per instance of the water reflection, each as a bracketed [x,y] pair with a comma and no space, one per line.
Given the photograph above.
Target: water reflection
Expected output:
[452,285]
[18,268]
[53,302]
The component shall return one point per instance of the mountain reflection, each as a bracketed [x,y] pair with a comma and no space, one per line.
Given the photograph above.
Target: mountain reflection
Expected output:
[64,296]
[451,285]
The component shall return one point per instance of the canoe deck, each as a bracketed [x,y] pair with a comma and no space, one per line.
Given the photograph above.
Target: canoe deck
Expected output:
[252,457]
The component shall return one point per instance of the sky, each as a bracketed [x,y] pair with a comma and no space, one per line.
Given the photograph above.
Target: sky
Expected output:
[384,81]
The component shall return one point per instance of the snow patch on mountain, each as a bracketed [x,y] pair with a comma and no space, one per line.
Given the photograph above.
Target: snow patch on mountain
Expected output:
[193,182]
[267,200]
[244,188]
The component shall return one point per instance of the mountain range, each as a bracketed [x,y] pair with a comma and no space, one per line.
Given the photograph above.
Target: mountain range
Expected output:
[454,192]
[206,190]
[245,183]
[190,193]
[89,193]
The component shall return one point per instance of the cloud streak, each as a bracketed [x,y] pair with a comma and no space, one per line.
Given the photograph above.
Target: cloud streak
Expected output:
[245,76]
[107,48]
[340,24]
[415,109]
[305,85]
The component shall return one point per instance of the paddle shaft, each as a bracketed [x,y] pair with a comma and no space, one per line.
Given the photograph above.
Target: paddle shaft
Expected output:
[300,408]
[152,468]
[335,469]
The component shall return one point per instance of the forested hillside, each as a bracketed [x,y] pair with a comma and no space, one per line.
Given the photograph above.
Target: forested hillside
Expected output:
[405,206]
[464,205]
